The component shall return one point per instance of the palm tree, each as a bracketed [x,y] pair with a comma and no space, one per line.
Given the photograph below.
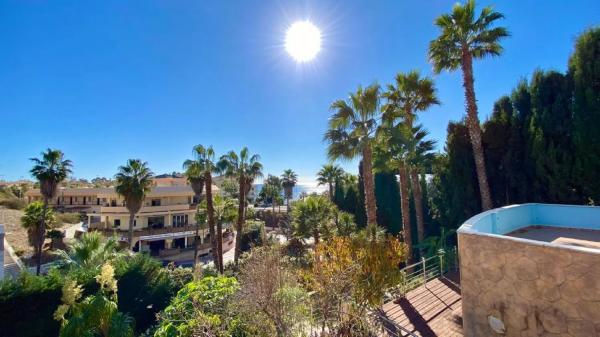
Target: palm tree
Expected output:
[391,153]
[328,175]
[224,212]
[33,214]
[50,170]
[313,216]
[465,36]
[410,95]
[419,157]
[245,168]
[351,131]
[91,252]
[201,169]
[289,178]
[133,182]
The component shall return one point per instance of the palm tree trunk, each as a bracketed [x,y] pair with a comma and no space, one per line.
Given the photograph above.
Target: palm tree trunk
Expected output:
[41,236]
[475,129]
[130,230]
[214,238]
[196,238]
[370,203]
[240,220]
[331,192]
[220,246]
[404,208]
[418,197]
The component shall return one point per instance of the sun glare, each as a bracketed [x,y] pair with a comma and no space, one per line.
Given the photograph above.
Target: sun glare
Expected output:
[303,41]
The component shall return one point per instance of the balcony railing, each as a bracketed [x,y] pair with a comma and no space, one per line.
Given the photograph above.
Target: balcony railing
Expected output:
[145,209]
[101,227]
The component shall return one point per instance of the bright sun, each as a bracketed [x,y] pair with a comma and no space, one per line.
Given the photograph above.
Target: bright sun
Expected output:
[303,41]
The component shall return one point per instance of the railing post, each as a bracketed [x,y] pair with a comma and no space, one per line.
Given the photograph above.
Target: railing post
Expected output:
[424,272]
[441,253]
[455,258]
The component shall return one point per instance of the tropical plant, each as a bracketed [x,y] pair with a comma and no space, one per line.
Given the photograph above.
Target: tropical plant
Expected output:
[289,178]
[133,182]
[245,168]
[391,154]
[313,216]
[466,36]
[224,211]
[204,166]
[33,214]
[95,315]
[50,170]
[328,175]
[199,307]
[351,131]
[420,156]
[271,190]
[345,224]
[90,252]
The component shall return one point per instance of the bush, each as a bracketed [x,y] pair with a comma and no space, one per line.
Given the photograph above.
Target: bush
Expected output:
[253,235]
[144,289]
[67,218]
[28,303]
[13,203]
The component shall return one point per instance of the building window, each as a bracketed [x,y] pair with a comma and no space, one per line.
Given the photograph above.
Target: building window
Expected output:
[155,202]
[116,222]
[97,201]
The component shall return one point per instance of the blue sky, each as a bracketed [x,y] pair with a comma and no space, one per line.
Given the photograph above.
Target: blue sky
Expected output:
[109,80]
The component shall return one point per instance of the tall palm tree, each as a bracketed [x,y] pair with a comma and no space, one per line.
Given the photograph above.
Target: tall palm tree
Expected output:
[419,157]
[351,131]
[202,168]
[133,182]
[289,178]
[391,153]
[50,170]
[410,95]
[245,168]
[328,175]
[465,36]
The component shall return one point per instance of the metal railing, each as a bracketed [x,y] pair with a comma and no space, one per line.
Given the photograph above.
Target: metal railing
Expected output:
[419,273]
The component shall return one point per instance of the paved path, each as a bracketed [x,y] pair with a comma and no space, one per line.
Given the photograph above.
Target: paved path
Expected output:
[430,310]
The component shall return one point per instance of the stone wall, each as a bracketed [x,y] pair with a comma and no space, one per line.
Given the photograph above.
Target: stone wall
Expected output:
[528,289]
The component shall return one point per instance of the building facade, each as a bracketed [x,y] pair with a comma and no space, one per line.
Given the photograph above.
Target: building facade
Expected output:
[165,226]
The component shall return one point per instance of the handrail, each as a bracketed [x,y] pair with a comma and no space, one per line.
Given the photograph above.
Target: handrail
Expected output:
[419,273]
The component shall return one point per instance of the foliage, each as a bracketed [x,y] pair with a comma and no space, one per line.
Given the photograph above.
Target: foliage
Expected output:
[134,181]
[84,257]
[199,307]
[253,235]
[273,305]
[329,175]
[145,288]
[28,294]
[95,315]
[10,200]
[289,178]
[313,217]
[35,214]
[353,271]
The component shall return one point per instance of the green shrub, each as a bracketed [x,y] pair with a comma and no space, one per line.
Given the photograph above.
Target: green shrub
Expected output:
[28,303]
[144,289]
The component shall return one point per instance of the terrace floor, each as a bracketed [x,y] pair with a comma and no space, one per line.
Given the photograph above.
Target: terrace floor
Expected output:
[431,310]
[587,238]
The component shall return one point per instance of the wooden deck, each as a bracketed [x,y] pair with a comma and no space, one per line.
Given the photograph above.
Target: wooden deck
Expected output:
[431,310]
